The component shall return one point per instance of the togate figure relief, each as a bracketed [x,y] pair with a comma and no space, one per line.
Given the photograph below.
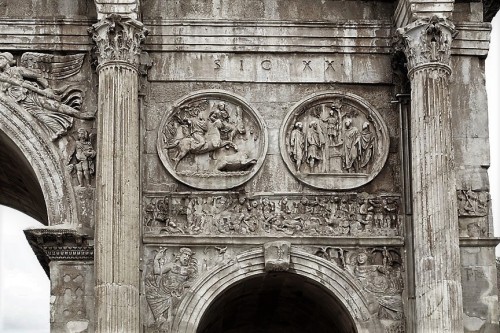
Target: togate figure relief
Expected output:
[28,86]
[334,141]
[347,215]
[169,278]
[212,140]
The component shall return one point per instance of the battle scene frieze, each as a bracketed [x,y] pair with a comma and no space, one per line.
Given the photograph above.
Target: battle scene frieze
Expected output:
[292,214]
[212,140]
[334,141]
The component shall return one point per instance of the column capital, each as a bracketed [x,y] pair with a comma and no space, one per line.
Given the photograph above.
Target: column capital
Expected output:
[427,43]
[118,40]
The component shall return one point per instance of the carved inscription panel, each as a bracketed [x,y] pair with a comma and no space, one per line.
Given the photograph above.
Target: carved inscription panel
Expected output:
[212,140]
[334,141]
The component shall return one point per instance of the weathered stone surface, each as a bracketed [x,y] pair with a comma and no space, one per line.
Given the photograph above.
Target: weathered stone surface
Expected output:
[254,171]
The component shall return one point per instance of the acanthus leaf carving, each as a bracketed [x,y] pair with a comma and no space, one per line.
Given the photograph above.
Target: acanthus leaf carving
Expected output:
[428,41]
[118,38]
[29,88]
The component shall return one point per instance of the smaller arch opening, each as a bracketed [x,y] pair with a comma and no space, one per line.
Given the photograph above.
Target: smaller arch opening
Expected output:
[19,186]
[276,302]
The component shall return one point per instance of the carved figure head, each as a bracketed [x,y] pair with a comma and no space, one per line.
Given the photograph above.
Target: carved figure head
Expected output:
[6,60]
[221,106]
[366,125]
[299,125]
[83,134]
[348,122]
[362,259]
[185,255]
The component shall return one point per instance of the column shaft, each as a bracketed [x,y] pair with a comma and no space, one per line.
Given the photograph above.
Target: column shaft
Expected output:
[117,231]
[436,252]
[436,237]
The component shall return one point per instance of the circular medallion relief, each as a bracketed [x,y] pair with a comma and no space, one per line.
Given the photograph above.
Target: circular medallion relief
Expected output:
[212,140]
[334,141]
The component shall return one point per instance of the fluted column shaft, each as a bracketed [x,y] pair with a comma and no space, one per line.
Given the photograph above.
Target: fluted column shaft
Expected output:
[117,227]
[438,290]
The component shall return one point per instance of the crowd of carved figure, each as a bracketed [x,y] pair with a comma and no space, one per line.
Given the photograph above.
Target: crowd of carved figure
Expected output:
[329,141]
[347,215]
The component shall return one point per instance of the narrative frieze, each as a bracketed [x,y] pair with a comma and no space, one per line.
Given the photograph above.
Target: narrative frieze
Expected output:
[212,140]
[334,141]
[296,214]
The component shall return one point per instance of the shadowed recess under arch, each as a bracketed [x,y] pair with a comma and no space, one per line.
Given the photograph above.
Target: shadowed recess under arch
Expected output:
[276,302]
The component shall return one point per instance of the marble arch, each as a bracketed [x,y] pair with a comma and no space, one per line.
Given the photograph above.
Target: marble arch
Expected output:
[28,136]
[251,263]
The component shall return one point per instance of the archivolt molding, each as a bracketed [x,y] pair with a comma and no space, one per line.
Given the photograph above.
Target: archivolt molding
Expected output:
[251,263]
[25,132]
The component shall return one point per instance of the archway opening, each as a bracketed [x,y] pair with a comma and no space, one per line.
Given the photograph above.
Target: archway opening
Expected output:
[276,302]
[19,187]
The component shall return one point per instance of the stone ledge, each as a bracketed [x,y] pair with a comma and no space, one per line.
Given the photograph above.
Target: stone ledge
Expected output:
[242,240]
[59,244]
[479,242]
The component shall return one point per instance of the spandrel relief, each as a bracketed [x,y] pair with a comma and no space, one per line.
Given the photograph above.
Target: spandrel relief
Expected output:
[29,86]
[170,272]
[334,141]
[230,213]
[380,271]
[212,140]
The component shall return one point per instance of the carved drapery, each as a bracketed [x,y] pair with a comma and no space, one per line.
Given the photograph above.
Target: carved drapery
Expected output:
[117,239]
[436,236]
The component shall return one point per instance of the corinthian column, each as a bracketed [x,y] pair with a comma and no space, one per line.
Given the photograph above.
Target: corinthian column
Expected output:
[438,290]
[117,230]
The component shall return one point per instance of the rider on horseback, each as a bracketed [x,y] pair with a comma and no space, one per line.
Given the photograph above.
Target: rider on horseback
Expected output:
[198,128]
[221,116]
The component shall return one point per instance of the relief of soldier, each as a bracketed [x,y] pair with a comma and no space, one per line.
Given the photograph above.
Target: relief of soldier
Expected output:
[276,215]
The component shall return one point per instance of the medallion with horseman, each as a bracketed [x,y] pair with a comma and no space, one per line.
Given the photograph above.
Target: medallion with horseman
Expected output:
[212,140]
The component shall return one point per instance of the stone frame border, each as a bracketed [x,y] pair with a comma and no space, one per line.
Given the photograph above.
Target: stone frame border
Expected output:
[337,184]
[213,93]
[251,263]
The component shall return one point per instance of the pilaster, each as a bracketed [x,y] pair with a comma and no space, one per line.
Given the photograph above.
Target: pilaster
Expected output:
[118,41]
[438,291]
